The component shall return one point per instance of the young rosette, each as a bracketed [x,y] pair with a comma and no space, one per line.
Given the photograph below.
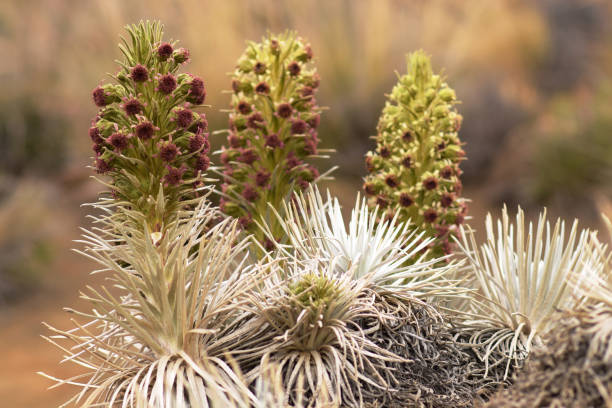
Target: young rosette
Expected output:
[273,131]
[522,275]
[148,136]
[414,170]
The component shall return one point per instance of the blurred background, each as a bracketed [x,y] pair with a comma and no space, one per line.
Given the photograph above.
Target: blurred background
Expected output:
[534,78]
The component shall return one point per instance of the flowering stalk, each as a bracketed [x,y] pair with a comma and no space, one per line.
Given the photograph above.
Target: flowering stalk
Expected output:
[415,167]
[147,136]
[273,130]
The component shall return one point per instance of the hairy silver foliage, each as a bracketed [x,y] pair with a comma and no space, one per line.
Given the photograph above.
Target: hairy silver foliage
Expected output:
[161,338]
[522,276]
[389,254]
[312,313]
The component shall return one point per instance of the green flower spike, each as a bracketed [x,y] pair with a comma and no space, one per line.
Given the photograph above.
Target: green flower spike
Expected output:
[147,136]
[415,168]
[273,131]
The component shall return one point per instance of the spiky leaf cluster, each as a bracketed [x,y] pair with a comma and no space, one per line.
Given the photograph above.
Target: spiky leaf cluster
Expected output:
[273,129]
[163,339]
[415,168]
[523,275]
[147,136]
[389,254]
[312,315]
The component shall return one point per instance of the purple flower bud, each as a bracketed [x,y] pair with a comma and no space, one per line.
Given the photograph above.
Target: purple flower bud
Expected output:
[244,107]
[307,91]
[459,219]
[225,158]
[166,84]
[181,56]
[245,221]
[392,181]
[310,145]
[201,125]
[294,68]
[292,161]
[94,134]
[446,172]
[139,73]
[196,142]
[261,178]
[168,151]
[197,91]
[446,200]
[184,117]
[369,162]
[284,110]
[144,130]
[119,141]
[407,136]
[430,183]
[268,244]
[202,163]
[235,85]
[249,193]
[441,146]
[298,127]
[430,215]
[132,107]
[259,68]
[405,200]
[164,51]
[248,156]
[174,176]
[407,161]
[99,97]
[369,189]
[308,51]
[273,141]
[385,153]
[262,88]
[98,149]
[103,166]
[235,141]
[458,187]
[382,201]
[255,120]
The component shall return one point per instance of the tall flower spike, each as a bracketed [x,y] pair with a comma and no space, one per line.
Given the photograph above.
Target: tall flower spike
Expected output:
[273,130]
[144,130]
[522,277]
[414,170]
[163,341]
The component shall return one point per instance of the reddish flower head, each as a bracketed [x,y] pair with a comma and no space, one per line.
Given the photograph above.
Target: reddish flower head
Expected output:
[102,166]
[184,117]
[164,51]
[294,68]
[298,127]
[392,181]
[407,161]
[132,107]
[139,73]
[202,163]
[262,88]
[235,141]
[273,141]
[168,151]
[430,183]
[407,136]
[446,200]
[447,172]
[174,175]
[259,68]
[430,215]
[197,91]
[385,153]
[144,130]
[94,134]
[249,193]
[255,120]
[119,141]
[196,142]
[99,97]
[166,84]
[248,156]
[181,56]
[405,200]
[244,107]
[261,178]
[284,110]
[369,189]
